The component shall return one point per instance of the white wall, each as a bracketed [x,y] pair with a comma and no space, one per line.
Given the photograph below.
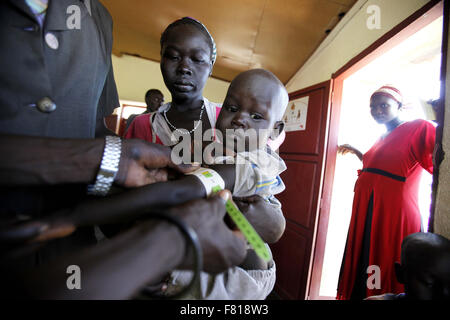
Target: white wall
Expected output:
[442,211]
[349,38]
[134,76]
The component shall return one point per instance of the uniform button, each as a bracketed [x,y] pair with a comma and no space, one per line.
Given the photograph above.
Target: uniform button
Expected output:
[51,40]
[46,105]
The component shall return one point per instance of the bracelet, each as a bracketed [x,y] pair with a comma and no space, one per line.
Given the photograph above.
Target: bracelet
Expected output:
[191,237]
[211,180]
[108,167]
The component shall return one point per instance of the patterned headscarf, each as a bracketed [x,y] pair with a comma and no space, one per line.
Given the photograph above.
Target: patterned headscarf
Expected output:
[391,92]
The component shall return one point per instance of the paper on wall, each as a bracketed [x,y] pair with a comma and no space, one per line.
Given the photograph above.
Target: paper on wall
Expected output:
[296,115]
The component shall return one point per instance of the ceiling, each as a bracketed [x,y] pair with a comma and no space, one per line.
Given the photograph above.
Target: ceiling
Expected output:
[278,35]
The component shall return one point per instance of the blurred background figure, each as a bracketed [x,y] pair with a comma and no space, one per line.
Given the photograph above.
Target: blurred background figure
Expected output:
[154,100]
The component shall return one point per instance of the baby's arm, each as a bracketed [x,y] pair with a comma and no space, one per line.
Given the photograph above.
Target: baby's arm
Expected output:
[254,262]
[189,187]
[266,217]
[268,221]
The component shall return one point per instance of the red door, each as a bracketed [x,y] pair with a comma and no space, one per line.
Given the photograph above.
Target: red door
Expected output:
[303,152]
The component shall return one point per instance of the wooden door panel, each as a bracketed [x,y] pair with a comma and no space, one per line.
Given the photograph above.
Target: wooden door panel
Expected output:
[295,210]
[290,252]
[303,152]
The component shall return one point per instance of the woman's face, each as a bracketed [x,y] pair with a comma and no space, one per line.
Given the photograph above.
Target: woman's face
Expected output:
[383,109]
[185,62]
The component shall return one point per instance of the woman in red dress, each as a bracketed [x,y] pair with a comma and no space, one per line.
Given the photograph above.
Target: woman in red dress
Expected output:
[385,204]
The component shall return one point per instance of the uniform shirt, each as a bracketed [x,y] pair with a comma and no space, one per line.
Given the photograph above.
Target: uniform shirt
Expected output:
[71,67]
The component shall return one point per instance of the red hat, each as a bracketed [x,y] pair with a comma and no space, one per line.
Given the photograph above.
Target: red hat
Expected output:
[391,92]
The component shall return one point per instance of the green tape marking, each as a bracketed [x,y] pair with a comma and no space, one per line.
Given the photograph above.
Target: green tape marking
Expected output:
[239,219]
[247,229]
[207,174]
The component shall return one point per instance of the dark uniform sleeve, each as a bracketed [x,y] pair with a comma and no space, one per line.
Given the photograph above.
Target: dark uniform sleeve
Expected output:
[109,99]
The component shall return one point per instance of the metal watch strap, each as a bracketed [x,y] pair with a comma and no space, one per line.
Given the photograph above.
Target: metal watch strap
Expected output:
[108,167]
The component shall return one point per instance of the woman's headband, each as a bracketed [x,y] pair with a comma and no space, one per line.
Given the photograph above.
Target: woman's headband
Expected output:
[214,49]
[390,92]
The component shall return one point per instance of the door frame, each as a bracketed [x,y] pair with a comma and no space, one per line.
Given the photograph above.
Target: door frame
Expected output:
[309,233]
[418,20]
[440,114]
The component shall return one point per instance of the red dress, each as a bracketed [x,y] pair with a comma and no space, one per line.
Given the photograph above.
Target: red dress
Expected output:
[385,208]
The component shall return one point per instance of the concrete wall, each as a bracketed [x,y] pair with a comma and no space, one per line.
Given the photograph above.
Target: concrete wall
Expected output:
[442,211]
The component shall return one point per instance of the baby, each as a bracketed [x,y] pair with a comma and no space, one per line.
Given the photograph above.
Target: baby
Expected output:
[251,114]
[256,101]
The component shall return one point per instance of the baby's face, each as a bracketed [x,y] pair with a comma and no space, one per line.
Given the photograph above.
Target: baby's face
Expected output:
[248,113]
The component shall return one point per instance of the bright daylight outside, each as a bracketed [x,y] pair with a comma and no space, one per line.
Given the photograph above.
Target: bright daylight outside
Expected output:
[414,67]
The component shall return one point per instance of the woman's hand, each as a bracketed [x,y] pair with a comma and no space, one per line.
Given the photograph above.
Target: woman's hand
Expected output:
[222,248]
[346,148]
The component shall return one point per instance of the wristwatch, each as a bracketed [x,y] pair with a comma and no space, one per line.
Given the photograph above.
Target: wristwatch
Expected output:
[108,167]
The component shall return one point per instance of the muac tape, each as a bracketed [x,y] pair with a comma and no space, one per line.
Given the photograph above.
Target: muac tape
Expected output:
[213,183]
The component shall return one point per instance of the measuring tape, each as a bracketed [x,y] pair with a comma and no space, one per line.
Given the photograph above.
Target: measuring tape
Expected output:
[247,230]
[213,183]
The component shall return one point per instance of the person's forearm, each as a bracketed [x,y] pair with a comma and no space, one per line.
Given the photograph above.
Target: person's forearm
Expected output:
[113,269]
[345,148]
[227,172]
[34,161]
[132,204]
[359,154]
[118,208]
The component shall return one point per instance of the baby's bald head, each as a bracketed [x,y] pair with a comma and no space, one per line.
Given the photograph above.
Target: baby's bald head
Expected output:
[264,85]
[256,101]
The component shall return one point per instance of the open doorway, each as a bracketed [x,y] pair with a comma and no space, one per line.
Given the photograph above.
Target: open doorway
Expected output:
[414,67]
[116,122]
